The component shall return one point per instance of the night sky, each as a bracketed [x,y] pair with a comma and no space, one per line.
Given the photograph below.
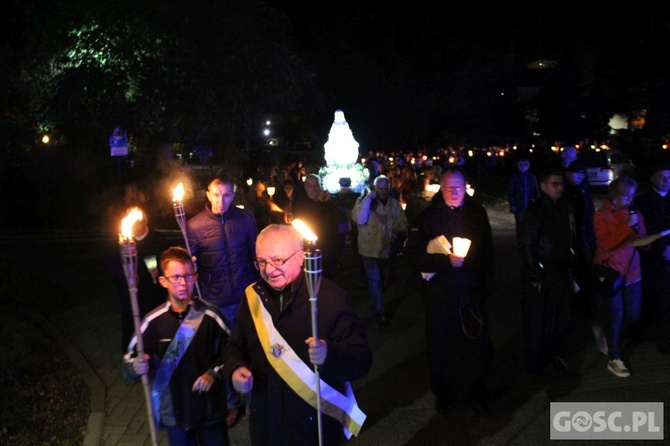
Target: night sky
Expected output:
[405,71]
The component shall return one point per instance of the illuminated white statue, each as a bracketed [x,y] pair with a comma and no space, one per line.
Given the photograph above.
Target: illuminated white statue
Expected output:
[341,154]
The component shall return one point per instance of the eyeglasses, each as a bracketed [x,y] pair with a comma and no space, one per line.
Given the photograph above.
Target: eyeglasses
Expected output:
[454,189]
[276,263]
[176,279]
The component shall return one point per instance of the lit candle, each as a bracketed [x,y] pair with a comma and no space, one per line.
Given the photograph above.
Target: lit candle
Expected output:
[461,246]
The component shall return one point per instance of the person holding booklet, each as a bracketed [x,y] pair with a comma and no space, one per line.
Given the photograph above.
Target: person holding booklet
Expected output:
[454,290]
[271,353]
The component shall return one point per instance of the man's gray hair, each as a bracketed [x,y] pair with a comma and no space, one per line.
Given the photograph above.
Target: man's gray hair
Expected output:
[287,230]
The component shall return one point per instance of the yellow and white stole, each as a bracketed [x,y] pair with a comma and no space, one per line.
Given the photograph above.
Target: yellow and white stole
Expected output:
[300,377]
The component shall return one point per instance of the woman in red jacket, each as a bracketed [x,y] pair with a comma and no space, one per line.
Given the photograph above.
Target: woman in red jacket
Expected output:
[617,225]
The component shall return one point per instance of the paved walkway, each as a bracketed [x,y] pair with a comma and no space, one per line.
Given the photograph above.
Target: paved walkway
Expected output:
[395,395]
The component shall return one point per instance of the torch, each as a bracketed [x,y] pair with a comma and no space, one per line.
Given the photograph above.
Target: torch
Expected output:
[313,277]
[180,215]
[129,262]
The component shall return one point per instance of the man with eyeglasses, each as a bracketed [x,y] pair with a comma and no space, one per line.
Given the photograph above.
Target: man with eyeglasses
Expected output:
[271,353]
[222,238]
[457,328]
[324,214]
[546,246]
[184,341]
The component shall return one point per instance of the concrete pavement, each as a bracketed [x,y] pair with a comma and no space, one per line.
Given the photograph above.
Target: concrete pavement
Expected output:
[396,394]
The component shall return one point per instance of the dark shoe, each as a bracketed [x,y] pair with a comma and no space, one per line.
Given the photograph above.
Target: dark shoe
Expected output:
[381,320]
[442,407]
[233,416]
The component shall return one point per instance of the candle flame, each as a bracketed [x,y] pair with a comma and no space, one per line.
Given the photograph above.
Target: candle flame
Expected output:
[178,193]
[304,230]
[271,190]
[134,215]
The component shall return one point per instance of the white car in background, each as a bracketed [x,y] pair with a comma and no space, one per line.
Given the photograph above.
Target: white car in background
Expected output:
[604,166]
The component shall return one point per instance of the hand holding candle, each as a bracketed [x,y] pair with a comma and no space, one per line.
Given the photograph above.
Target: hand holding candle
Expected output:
[460,249]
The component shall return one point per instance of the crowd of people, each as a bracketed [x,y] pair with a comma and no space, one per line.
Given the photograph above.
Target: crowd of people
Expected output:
[246,341]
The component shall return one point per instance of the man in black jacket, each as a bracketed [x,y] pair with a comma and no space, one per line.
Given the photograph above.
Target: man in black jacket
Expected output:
[222,237]
[184,340]
[272,354]
[546,241]
[655,208]
[457,328]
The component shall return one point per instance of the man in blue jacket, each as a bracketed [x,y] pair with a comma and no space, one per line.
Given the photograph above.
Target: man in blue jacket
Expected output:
[222,237]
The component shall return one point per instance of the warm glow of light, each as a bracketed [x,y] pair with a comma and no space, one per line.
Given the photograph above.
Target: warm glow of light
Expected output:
[471,153]
[178,193]
[46,139]
[304,230]
[250,181]
[134,215]
[271,191]
[341,149]
[403,206]
[461,246]
[469,190]
[432,188]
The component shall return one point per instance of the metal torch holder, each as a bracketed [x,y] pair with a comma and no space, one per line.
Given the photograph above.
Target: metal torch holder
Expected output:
[313,274]
[129,262]
[180,216]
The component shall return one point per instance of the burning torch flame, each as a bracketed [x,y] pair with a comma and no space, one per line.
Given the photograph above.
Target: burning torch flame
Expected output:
[304,230]
[134,215]
[178,193]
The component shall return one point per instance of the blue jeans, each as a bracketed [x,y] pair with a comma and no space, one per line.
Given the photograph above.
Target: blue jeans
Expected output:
[213,434]
[230,313]
[624,309]
[377,271]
